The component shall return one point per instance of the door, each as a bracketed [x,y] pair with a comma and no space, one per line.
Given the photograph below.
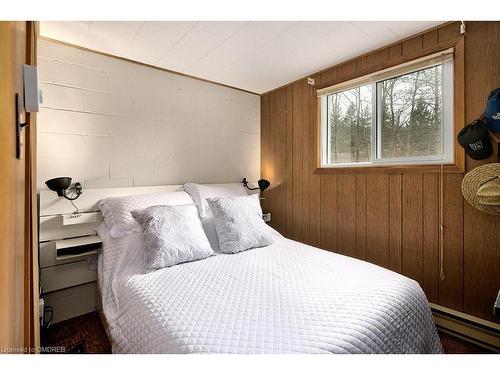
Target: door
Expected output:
[18,282]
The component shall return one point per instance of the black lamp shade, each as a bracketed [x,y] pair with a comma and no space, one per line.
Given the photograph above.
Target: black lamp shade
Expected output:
[59,184]
[263,184]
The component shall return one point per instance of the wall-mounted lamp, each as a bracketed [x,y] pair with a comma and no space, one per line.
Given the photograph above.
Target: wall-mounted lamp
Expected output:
[61,184]
[263,185]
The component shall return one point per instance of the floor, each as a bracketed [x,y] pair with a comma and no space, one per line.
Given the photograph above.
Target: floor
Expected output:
[86,334]
[454,345]
[83,334]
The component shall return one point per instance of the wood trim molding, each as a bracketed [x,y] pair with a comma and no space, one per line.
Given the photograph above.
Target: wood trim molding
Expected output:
[31,231]
[459,101]
[388,169]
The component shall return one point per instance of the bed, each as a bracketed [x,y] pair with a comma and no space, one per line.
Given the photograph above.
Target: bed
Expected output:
[284,298]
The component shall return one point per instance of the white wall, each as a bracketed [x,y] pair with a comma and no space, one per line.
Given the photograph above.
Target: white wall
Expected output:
[110,123]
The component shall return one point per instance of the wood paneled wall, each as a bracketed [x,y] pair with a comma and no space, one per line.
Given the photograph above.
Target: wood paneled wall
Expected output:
[390,219]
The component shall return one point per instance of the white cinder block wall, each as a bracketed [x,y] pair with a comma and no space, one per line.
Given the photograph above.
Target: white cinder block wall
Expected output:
[111,123]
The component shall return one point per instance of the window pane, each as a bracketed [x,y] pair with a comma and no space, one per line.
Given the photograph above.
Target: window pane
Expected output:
[410,114]
[349,125]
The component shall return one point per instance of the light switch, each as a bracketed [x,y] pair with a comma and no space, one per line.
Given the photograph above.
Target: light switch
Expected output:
[31,92]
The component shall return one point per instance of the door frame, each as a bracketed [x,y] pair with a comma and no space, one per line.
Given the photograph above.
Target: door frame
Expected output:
[19,326]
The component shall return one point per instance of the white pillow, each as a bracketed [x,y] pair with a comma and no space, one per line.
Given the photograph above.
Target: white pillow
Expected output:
[239,224]
[172,235]
[200,193]
[116,210]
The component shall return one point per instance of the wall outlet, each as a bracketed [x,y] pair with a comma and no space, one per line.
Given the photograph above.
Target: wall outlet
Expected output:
[266,217]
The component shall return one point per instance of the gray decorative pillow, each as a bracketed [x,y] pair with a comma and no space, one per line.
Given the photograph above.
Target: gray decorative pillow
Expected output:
[172,235]
[239,224]
[200,193]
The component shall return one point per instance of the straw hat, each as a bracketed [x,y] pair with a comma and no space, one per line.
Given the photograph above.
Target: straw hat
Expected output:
[481,188]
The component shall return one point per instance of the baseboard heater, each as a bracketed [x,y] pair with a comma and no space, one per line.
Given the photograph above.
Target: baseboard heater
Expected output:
[467,327]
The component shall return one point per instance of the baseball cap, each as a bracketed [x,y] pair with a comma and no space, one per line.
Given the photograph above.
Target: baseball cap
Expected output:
[492,113]
[475,139]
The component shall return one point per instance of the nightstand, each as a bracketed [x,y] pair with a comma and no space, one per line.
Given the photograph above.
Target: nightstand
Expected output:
[68,264]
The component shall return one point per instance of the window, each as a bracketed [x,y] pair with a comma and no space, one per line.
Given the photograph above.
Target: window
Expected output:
[401,115]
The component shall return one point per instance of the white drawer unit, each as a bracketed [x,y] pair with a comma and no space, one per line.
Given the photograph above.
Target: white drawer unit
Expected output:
[68,284]
[68,241]
[67,275]
[71,302]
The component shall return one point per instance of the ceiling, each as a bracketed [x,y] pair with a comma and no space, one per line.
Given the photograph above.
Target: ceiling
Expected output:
[256,56]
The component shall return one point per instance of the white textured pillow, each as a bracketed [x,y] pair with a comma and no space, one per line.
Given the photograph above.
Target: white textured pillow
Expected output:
[239,224]
[116,210]
[172,235]
[200,193]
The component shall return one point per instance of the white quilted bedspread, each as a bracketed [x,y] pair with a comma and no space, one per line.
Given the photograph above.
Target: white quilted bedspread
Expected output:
[284,298]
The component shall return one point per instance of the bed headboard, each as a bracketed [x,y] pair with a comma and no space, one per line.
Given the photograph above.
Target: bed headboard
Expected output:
[68,245]
[57,221]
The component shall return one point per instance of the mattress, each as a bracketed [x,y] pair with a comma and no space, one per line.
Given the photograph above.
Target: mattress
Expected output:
[284,298]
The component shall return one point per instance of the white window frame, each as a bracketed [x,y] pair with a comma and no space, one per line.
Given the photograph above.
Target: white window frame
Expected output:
[443,58]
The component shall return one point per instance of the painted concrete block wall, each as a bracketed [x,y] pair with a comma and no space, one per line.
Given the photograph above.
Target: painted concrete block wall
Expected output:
[107,122]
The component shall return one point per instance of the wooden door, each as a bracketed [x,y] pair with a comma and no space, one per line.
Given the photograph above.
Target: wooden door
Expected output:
[18,283]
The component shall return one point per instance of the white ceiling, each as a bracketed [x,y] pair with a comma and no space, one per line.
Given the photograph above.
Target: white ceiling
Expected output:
[254,56]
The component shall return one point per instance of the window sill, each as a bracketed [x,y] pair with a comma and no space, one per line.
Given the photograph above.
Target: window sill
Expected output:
[414,168]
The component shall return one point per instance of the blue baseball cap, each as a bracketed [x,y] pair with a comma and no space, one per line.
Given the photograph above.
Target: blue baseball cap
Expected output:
[492,113]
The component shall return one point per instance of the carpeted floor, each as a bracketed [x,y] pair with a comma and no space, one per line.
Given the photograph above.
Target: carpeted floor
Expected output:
[454,345]
[83,334]
[86,334]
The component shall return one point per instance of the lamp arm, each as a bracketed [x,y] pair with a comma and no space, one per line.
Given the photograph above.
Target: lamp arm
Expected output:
[245,184]
[249,188]
[77,188]
[73,198]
